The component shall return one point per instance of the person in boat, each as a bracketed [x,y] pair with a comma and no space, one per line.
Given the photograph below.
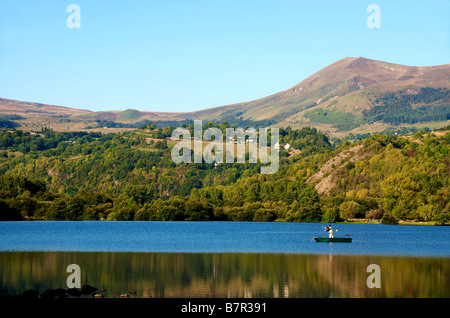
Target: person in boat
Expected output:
[330,232]
[329,229]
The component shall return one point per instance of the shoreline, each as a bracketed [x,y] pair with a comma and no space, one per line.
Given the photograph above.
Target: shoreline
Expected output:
[400,222]
[350,221]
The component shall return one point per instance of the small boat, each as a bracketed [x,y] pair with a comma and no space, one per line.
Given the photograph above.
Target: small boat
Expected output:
[333,239]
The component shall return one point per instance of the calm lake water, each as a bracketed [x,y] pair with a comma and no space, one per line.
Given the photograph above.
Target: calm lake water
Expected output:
[225,259]
[222,237]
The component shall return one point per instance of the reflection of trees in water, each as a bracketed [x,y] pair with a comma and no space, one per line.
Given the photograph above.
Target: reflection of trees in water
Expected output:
[225,274]
[400,276]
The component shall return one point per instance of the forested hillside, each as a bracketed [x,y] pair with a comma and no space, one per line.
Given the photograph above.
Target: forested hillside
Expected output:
[424,105]
[131,176]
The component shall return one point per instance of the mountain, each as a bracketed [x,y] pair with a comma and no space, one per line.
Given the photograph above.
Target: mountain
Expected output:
[355,95]
[32,116]
[339,95]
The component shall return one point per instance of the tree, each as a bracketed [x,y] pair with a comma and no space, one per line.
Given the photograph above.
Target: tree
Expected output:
[375,214]
[427,212]
[331,215]
[306,208]
[140,194]
[388,218]
[199,210]
[57,210]
[349,209]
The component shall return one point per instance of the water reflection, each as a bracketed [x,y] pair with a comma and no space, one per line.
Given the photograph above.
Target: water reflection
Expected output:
[237,275]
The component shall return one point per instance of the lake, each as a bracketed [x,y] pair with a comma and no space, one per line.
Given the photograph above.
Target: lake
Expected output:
[225,259]
[222,237]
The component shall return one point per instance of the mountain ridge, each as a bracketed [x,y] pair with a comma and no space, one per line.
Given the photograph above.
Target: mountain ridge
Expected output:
[335,99]
[336,78]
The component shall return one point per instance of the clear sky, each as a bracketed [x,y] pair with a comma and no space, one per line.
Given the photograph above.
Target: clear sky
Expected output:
[185,55]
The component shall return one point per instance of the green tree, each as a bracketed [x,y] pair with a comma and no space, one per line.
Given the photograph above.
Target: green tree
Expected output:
[199,210]
[57,210]
[349,209]
[331,215]
[388,218]
[140,194]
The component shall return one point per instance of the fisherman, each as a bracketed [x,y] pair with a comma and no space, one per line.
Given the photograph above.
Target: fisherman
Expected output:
[329,229]
[330,232]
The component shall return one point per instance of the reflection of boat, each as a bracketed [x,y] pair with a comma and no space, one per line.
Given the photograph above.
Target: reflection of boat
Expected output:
[334,239]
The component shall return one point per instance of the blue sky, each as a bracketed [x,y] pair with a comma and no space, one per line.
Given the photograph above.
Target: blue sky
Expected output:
[189,55]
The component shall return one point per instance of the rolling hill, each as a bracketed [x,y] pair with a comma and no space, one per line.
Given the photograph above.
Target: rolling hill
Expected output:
[355,95]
